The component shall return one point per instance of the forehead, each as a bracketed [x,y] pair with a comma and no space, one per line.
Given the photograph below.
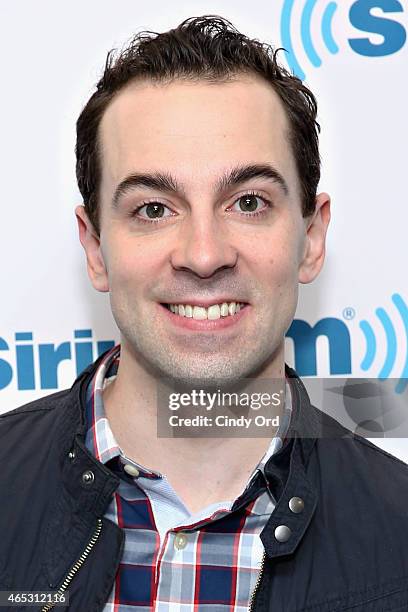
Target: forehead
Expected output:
[194,129]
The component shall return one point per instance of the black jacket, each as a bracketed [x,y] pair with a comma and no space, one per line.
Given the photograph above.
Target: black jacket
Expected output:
[346,551]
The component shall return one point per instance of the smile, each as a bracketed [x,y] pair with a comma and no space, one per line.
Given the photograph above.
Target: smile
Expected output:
[201,313]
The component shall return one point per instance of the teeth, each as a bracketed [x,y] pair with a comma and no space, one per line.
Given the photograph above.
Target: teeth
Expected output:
[224,309]
[213,312]
[199,313]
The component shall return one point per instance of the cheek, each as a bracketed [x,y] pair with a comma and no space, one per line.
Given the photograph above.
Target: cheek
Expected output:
[131,262]
[276,257]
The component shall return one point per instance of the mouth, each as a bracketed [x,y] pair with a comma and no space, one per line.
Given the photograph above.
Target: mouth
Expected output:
[210,317]
[212,312]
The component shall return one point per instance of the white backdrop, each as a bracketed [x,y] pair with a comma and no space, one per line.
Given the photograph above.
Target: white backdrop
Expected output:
[52,54]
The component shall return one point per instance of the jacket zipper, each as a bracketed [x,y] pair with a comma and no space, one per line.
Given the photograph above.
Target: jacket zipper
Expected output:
[77,565]
[256,587]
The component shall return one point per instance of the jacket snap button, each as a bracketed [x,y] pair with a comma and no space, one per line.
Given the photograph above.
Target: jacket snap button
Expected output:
[296,504]
[71,455]
[282,533]
[88,477]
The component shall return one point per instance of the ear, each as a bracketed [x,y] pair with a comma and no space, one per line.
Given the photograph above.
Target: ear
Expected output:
[91,242]
[315,241]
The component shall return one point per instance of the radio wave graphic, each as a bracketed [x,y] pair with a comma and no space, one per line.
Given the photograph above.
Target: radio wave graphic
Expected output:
[391,337]
[305,33]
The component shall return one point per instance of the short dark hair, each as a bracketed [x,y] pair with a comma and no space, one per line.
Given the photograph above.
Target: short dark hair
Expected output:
[201,48]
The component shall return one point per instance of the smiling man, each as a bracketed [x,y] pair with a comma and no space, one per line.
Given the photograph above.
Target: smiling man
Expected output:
[198,163]
[205,211]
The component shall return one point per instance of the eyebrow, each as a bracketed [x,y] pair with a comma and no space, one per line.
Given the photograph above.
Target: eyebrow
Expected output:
[163,181]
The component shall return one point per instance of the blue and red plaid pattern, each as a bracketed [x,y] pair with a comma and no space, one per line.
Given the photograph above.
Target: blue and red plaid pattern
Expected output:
[173,560]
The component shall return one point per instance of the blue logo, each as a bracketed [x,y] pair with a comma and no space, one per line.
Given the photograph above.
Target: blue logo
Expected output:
[337,333]
[391,338]
[360,17]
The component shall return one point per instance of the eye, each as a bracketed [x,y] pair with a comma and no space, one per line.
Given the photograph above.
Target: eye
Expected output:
[248,204]
[153,210]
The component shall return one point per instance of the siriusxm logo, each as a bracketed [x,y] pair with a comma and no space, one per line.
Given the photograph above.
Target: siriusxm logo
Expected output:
[338,336]
[360,16]
[36,365]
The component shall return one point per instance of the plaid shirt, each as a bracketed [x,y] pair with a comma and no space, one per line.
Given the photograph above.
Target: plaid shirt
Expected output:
[172,560]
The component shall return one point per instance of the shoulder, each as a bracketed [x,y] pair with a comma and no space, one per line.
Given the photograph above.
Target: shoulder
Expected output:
[348,461]
[49,406]
[39,424]
[43,404]
[332,429]
[40,411]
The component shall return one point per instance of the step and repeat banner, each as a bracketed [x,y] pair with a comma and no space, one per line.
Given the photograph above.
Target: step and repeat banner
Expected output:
[351,323]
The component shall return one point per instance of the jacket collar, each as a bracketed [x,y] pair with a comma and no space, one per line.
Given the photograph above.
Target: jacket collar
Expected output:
[286,474]
[86,489]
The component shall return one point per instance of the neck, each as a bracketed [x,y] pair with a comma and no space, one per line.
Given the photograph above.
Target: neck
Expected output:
[218,467]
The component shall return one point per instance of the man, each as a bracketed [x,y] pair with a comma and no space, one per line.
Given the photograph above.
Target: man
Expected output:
[198,163]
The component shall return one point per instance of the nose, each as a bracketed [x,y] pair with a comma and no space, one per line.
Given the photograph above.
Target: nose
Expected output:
[203,246]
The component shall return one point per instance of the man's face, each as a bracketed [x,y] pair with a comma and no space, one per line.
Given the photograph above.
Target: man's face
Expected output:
[205,243]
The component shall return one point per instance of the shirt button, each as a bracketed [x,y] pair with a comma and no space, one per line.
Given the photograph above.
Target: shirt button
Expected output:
[282,533]
[180,541]
[296,504]
[131,470]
